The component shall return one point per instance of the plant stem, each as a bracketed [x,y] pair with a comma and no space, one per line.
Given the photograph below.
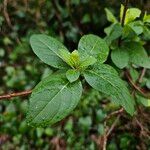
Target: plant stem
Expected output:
[142,75]
[124,12]
[135,86]
[109,131]
[9,96]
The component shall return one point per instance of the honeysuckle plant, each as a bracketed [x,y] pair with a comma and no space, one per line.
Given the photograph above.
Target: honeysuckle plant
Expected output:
[59,93]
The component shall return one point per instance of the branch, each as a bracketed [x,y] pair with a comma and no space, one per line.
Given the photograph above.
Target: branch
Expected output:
[117,112]
[142,75]
[124,12]
[6,15]
[113,126]
[136,87]
[109,131]
[144,131]
[11,95]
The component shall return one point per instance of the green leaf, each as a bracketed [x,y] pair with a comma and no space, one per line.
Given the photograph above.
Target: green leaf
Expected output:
[86,19]
[65,55]
[47,49]
[121,12]
[146,33]
[146,18]
[131,14]
[105,79]
[136,26]
[120,57]
[85,123]
[92,45]
[137,54]
[72,59]
[75,58]
[89,60]
[110,16]
[108,29]
[144,101]
[115,32]
[52,100]
[134,74]
[72,75]
[148,83]
[128,33]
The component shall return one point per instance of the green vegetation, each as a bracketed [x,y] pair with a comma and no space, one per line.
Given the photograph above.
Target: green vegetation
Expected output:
[91,88]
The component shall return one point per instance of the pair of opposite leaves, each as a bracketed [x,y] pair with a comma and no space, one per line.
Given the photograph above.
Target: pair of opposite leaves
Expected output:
[55,96]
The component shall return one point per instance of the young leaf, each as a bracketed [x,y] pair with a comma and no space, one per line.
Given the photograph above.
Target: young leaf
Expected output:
[144,101]
[110,16]
[134,74]
[75,58]
[115,32]
[47,49]
[146,18]
[121,12]
[128,33]
[89,60]
[72,75]
[136,26]
[146,32]
[93,45]
[72,59]
[137,54]
[148,83]
[65,55]
[105,79]
[131,14]
[120,57]
[108,29]
[52,100]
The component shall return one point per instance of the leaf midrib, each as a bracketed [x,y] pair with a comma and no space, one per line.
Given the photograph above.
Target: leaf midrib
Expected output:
[49,48]
[50,101]
[102,77]
[93,46]
[107,81]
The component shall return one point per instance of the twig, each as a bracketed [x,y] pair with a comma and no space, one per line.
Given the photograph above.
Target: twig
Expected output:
[108,132]
[136,86]
[6,13]
[139,124]
[104,142]
[113,126]
[9,96]
[144,131]
[114,113]
[142,75]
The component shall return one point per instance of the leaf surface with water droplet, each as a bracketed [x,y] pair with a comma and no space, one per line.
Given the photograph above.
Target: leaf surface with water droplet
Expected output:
[55,97]
[47,49]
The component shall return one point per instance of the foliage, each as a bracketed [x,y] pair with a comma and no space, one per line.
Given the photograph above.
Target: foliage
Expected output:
[101,77]
[67,21]
[64,96]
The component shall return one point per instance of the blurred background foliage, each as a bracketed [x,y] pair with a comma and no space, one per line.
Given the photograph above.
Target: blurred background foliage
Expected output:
[21,70]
